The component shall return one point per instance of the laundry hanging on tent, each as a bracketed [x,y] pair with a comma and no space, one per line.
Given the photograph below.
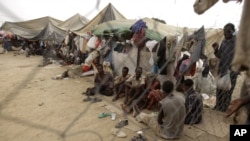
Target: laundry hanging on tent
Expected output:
[139,30]
[150,45]
[161,54]
[138,26]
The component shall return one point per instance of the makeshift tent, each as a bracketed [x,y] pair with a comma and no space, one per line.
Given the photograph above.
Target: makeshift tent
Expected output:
[155,31]
[154,28]
[109,13]
[35,24]
[35,29]
[212,35]
[50,33]
[198,51]
[74,23]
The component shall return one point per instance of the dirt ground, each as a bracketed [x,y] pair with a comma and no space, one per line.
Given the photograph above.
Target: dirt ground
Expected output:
[36,108]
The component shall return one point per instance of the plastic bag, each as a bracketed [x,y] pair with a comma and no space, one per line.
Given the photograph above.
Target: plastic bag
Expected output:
[224,82]
[155,69]
[91,44]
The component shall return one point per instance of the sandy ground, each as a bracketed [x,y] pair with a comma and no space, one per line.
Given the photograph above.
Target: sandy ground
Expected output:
[36,108]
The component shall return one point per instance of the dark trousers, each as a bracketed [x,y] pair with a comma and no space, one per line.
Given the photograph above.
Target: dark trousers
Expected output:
[103,90]
[248,119]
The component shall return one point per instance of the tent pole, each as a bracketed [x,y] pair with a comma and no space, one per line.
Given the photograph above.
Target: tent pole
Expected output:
[138,56]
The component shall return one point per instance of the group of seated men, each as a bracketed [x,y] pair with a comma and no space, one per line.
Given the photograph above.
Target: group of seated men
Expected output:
[142,91]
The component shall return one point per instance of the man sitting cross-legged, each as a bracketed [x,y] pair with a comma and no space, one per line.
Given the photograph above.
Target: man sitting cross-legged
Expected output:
[169,122]
[148,100]
[104,83]
[134,87]
[119,86]
[153,95]
[193,103]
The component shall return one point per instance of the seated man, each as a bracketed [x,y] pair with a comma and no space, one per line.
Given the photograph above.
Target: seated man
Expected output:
[79,71]
[152,83]
[134,87]
[153,96]
[119,86]
[169,123]
[193,103]
[104,83]
[204,83]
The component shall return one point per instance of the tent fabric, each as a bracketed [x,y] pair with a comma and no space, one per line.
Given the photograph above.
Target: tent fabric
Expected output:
[74,23]
[42,28]
[212,35]
[130,59]
[35,24]
[155,31]
[109,13]
[50,32]
[20,31]
[121,60]
[198,51]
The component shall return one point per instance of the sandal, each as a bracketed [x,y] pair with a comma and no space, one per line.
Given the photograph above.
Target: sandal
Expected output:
[118,133]
[94,100]
[113,116]
[121,123]
[102,115]
[87,99]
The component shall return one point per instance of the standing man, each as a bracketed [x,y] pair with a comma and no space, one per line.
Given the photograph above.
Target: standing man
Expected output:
[225,53]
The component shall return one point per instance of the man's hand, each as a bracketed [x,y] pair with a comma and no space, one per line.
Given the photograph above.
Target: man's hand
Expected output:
[234,106]
[239,1]
[215,45]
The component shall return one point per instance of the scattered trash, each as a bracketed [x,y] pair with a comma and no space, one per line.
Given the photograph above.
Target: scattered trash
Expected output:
[40,104]
[118,133]
[86,99]
[92,100]
[103,115]
[205,96]
[139,137]
[122,123]
[95,99]
[103,105]
[113,116]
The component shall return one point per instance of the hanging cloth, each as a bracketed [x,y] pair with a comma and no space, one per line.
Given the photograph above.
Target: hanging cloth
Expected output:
[150,45]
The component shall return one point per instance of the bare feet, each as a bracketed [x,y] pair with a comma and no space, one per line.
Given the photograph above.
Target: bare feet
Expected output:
[125,108]
[125,101]
[114,99]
